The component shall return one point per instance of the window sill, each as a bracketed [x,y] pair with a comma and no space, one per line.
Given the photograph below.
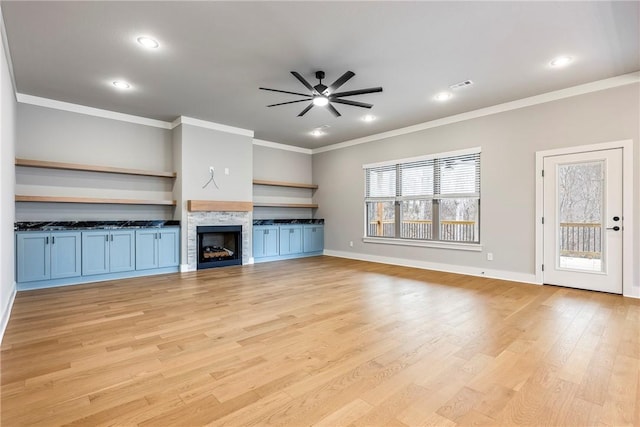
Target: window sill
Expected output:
[475,247]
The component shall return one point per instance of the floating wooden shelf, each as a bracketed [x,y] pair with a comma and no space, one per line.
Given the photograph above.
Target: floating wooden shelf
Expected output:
[57,199]
[284,184]
[218,206]
[91,168]
[285,205]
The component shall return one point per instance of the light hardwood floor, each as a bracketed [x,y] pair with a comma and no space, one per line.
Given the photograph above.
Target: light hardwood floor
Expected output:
[320,341]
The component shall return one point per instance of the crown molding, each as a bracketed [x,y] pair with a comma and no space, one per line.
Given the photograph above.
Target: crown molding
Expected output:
[279,146]
[596,86]
[90,111]
[184,120]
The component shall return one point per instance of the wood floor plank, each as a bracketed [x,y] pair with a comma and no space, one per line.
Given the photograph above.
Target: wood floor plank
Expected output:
[320,341]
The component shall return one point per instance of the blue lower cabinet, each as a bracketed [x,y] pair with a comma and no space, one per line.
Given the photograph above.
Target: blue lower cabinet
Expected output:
[57,258]
[107,251]
[157,248]
[313,238]
[286,241]
[47,255]
[290,239]
[265,241]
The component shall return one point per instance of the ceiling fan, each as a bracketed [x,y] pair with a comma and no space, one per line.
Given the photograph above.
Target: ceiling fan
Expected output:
[322,95]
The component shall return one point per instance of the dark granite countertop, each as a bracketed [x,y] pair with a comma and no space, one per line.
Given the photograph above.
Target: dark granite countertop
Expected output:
[288,221]
[91,225]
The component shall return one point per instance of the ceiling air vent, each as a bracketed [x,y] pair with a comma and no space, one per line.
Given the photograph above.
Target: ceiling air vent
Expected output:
[465,83]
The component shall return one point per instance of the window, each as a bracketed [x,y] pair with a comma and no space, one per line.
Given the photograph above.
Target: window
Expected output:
[428,198]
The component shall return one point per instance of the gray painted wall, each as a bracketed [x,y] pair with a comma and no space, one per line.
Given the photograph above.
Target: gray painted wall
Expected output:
[202,148]
[509,142]
[272,164]
[55,135]
[7,180]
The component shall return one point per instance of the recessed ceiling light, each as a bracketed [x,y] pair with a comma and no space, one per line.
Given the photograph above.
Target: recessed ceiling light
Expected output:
[368,118]
[317,132]
[148,42]
[121,84]
[443,96]
[320,101]
[561,61]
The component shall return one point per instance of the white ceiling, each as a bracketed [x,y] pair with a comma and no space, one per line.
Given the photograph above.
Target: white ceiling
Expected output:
[215,55]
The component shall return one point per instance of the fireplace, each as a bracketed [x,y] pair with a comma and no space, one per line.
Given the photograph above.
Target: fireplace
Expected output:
[219,246]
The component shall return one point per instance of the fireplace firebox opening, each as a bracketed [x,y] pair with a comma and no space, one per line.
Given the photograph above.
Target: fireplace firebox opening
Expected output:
[219,246]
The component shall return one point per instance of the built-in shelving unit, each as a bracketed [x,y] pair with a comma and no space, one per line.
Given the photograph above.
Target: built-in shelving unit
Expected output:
[91,200]
[286,185]
[44,164]
[91,168]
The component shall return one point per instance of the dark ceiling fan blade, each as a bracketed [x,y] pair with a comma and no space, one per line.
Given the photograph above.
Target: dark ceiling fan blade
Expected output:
[333,110]
[290,102]
[353,103]
[342,80]
[286,91]
[303,112]
[358,92]
[303,81]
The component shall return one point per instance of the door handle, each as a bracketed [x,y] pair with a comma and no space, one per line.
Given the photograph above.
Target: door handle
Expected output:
[614,228]
[53,240]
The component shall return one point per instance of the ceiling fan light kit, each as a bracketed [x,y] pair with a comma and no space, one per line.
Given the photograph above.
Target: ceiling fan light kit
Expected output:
[323,96]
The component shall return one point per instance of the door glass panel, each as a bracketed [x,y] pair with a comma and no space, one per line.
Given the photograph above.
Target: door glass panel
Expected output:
[580,213]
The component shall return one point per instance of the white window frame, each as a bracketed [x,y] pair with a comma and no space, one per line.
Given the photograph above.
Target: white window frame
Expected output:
[464,246]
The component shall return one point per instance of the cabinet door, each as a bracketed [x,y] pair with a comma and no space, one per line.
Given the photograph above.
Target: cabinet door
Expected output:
[65,254]
[290,240]
[32,256]
[168,247]
[146,248]
[258,242]
[95,252]
[265,241]
[122,251]
[313,238]
[271,246]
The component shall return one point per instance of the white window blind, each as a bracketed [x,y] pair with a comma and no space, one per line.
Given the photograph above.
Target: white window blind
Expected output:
[381,182]
[460,176]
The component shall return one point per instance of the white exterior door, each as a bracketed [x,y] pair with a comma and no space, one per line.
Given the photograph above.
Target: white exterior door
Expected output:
[583,220]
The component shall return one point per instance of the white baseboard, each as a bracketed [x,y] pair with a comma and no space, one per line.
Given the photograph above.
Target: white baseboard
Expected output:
[184,268]
[4,320]
[448,268]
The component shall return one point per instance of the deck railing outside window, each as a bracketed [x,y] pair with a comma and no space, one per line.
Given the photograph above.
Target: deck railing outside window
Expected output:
[454,231]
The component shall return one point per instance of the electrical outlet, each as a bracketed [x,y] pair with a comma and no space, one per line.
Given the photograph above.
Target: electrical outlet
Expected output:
[351,243]
[489,256]
[226,171]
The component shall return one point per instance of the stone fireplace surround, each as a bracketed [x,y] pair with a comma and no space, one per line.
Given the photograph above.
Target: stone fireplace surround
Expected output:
[202,218]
